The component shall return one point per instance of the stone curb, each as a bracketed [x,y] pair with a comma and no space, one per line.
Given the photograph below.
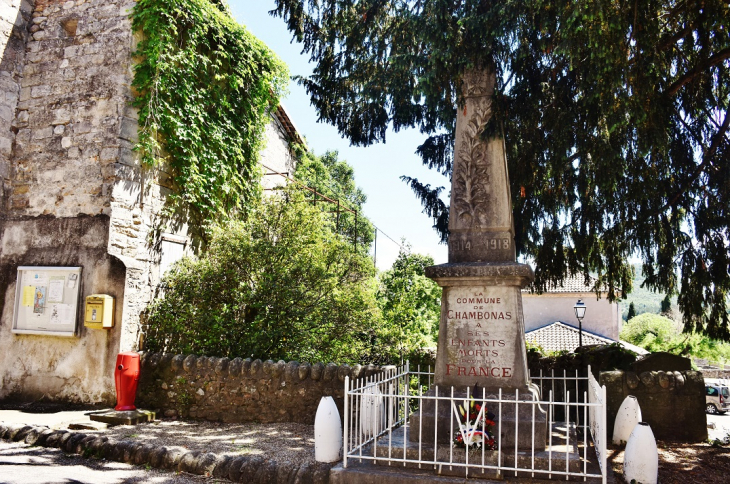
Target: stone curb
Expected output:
[249,469]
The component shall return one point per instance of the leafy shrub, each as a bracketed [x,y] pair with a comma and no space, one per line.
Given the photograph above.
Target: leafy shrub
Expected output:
[411,304]
[657,333]
[280,285]
[650,331]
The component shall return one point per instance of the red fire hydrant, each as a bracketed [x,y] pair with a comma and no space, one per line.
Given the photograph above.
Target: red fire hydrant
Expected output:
[126,376]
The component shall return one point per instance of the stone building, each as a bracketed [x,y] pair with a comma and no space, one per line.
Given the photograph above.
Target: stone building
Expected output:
[72,190]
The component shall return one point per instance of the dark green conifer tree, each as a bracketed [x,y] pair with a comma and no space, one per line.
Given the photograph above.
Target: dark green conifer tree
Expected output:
[666,305]
[614,114]
[632,312]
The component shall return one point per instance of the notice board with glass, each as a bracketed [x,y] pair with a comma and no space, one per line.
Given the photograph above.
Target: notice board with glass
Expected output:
[47,300]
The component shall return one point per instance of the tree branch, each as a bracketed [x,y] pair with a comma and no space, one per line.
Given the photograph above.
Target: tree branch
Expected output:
[707,158]
[671,40]
[695,71]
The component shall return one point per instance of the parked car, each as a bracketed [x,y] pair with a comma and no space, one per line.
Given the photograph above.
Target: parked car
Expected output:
[717,398]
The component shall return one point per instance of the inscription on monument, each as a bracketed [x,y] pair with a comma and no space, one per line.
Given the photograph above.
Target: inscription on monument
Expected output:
[493,244]
[480,333]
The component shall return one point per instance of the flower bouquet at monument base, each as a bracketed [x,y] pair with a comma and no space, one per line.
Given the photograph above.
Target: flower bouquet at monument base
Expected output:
[476,423]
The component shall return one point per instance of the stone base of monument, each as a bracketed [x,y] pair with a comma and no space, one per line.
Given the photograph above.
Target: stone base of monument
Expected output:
[530,419]
[124,417]
[397,444]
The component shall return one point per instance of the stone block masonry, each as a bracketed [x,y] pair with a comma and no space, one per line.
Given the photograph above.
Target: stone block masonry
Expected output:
[65,82]
[65,78]
[672,402]
[73,99]
[241,390]
[14,18]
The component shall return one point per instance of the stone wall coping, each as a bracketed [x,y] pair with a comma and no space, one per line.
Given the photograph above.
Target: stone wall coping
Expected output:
[663,379]
[247,367]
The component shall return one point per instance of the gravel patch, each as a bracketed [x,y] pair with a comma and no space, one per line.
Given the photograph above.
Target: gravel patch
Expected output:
[680,463]
[291,442]
[261,453]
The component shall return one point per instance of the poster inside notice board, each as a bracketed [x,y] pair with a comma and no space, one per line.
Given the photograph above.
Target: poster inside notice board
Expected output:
[47,300]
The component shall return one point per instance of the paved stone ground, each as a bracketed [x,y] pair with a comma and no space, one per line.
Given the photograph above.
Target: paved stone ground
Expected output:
[23,464]
[263,454]
[722,426]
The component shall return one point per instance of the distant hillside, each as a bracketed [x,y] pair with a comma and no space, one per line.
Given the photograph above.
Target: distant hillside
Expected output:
[645,300]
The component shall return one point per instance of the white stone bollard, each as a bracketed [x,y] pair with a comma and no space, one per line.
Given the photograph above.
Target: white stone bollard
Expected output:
[372,412]
[629,414]
[641,459]
[327,431]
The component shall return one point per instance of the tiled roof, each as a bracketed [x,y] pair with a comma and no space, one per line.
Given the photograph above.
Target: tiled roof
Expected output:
[291,131]
[562,337]
[559,336]
[570,285]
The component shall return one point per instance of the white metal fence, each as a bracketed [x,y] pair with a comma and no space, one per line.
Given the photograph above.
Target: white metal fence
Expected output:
[389,420]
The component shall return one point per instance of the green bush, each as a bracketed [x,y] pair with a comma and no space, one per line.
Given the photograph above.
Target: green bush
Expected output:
[650,331]
[411,304]
[280,285]
[657,333]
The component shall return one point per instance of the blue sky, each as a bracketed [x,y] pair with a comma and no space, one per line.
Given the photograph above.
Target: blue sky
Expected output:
[391,205]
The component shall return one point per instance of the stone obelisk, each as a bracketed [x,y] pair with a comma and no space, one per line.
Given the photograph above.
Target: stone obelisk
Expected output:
[482,331]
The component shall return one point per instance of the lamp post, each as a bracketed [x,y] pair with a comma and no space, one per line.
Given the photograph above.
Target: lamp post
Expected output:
[580,312]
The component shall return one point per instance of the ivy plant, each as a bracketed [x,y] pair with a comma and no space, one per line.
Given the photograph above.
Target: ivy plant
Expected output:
[204,87]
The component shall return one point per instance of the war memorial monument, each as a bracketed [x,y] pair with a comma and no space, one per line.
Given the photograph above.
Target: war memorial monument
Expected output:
[481,355]
[481,344]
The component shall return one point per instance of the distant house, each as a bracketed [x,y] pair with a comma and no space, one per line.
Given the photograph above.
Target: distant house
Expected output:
[602,318]
[559,336]
[550,321]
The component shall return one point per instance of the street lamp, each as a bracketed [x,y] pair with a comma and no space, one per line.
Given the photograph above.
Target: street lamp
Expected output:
[580,312]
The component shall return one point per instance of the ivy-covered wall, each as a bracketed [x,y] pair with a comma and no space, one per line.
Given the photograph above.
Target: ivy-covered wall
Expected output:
[205,88]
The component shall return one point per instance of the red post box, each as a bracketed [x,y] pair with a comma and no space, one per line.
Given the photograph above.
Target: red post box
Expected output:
[126,376]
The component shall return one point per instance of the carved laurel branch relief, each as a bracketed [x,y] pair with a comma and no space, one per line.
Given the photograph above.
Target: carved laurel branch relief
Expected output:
[472,176]
[476,83]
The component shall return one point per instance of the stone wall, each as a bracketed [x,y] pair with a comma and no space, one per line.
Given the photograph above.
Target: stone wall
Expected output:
[715,373]
[58,368]
[672,402]
[14,18]
[241,390]
[276,155]
[74,93]
[71,61]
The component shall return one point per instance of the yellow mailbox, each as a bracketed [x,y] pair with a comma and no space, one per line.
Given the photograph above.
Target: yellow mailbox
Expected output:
[99,311]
